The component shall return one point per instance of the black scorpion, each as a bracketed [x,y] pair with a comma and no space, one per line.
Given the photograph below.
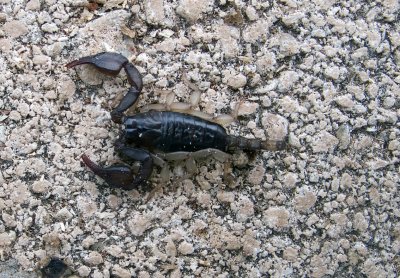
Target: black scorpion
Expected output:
[165,131]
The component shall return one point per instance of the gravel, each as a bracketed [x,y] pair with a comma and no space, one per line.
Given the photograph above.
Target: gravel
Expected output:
[325,73]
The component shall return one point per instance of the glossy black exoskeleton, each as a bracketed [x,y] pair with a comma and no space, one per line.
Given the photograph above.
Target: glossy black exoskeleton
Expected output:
[164,131]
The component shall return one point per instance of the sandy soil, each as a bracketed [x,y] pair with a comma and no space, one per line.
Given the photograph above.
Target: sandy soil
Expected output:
[324,73]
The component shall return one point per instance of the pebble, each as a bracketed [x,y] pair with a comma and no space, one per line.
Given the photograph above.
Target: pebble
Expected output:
[233,80]
[192,10]
[15,29]
[185,248]
[93,258]
[324,142]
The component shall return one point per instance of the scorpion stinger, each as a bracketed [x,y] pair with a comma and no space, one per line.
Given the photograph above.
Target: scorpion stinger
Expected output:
[111,64]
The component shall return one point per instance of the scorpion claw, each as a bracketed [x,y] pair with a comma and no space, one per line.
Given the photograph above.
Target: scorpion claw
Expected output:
[111,63]
[116,176]
[107,62]
[120,175]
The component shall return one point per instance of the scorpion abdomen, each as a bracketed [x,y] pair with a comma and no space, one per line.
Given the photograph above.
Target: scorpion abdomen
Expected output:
[172,131]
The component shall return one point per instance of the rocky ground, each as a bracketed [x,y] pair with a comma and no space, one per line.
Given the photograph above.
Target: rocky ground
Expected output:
[323,72]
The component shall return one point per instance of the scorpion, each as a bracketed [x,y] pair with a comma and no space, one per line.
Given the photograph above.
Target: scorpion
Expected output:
[153,131]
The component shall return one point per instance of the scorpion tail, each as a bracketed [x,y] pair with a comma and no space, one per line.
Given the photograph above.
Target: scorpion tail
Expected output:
[237,142]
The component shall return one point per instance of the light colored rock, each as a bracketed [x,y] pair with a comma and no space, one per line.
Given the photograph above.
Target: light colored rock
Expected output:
[65,87]
[93,258]
[120,272]
[228,37]
[245,209]
[234,80]
[15,28]
[324,142]
[286,81]
[115,251]
[139,224]
[64,214]
[247,108]
[33,5]
[185,248]
[266,63]
[256,175]
[305,201]
[192,10]
[6,239]
[275,126]
[83,271]
[276,217]
[154,10]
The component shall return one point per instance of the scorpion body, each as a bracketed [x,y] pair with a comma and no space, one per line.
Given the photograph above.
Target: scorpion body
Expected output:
[164,131]
[168,131]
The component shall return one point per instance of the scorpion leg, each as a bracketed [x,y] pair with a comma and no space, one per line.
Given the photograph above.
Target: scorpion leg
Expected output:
[122,176]
[111,64]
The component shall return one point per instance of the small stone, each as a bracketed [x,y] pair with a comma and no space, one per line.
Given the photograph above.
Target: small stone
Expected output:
[93,258]
[228,37]
[251,246]
[120,272]
[6,239]
[266,63]
[170,249]
[276,217]
[50,27]
[185,248]
[345,101]
[246,209]
[204,199]
[66,87]
[192,10]
[3,17]
[324,142]
[139,224]
[275,126]
[33,5]
[306,201]
[290,254]
[255,31]
[332,72]
[247,108]
[114,201]
[288,45]
[83,271]
[360,223]
[344,136]
[115,251]
[251,13]
[290,180]
[9,220]
[3,137]
[63,215]
[256,175]
[15,28]
[154,10]
[87,242]
[286,81]
[233,80]
[41,60]
[393,145]
[225,197]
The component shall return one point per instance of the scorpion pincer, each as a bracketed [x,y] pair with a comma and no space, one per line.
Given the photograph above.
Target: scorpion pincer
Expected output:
[164,131]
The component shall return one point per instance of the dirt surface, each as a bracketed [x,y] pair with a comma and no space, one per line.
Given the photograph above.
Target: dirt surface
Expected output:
[325,73]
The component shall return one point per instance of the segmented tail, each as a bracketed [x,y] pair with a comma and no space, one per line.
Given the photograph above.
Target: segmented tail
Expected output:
[241,143]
